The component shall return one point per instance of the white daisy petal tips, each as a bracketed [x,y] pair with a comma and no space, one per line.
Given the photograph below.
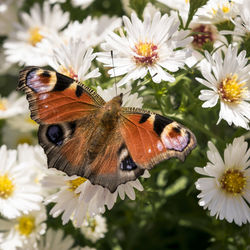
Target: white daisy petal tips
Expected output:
[229,79]
[77,198]
[225,192]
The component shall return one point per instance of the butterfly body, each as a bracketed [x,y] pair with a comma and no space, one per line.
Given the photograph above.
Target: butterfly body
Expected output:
[102,141]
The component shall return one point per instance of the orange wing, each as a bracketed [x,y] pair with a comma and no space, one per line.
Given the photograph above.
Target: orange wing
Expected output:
[152,138]
[55,98]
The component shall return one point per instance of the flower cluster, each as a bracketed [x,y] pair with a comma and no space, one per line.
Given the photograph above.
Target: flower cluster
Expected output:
[186,60]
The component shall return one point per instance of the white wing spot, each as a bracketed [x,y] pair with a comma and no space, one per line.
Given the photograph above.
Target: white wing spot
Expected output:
[159,146]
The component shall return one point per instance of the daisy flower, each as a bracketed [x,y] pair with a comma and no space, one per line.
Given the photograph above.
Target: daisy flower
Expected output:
[23,231]
[226,189]
[182,6]
[22,46]
[74,60]
[92,31]
[55,240]
[77,198]
[37,160]
[228,81]
[94,228]
[242,23]
[8,15]
[129,100]
[12,137]
[153,46]
[22,122]
[218,11]
[204,35]
[18,191]
[12,105]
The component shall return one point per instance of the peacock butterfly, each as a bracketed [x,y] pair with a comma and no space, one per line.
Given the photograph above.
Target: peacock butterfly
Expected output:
[102,141]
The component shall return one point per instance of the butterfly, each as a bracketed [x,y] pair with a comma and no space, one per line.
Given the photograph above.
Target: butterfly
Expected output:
[104,142]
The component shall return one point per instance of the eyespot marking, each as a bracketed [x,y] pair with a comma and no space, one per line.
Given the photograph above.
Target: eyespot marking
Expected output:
[54,134]
[127,164]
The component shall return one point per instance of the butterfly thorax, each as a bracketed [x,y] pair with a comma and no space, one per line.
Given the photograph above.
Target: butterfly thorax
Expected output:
[106,123]
[110,112]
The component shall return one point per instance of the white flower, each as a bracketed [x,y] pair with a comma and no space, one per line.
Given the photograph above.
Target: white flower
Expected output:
[94,228]
[182,6]
[8,15]
[242,22]
[218,11]
[91,31]
[37,160]
[12,137]
[22,46]
[23,231]
[22,122]
[228,80]
[149,46]
[53,240]
[13,105]
[77,198]
[204,34]
[74,60]
[18,191]
[226,190]
[83,3]
[5,66]
[129,100]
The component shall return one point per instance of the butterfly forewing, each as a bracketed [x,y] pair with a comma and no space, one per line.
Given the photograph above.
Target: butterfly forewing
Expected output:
[55,98]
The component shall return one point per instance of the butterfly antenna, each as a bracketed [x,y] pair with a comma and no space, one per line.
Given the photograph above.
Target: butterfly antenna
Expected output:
[112,57]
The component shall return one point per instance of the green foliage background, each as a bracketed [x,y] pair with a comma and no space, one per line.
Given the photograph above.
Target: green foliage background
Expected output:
[166,215]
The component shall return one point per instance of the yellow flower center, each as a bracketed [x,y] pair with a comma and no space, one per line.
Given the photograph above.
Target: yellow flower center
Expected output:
[233,181]
[26,225]
[74,184]
[6,187]
[35,36]
[3,103]
[225,8]
[186,1]
[146,53]
[231,90]
[92,223]
[68,72]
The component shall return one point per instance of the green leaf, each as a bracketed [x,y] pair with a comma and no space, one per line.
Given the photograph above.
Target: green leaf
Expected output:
[194,6]
[138,6]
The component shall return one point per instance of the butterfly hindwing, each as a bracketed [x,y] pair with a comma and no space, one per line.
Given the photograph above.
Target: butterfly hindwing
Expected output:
[71,148]
[152,138]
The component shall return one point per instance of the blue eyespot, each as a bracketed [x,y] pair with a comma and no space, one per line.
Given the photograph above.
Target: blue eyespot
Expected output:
[55,134]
